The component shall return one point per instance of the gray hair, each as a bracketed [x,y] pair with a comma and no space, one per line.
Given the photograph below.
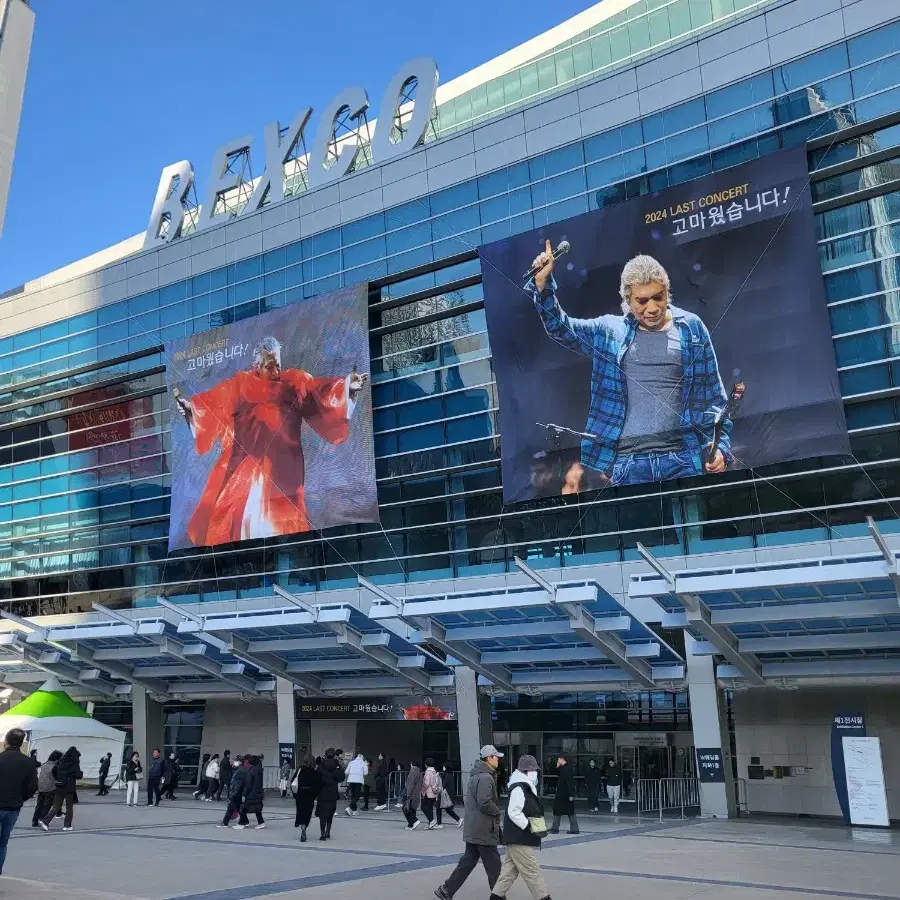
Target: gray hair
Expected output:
[641,269]
[268,345]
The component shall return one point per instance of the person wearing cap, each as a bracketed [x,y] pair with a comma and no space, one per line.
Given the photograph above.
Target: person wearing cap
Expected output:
[481,828]
[522,843]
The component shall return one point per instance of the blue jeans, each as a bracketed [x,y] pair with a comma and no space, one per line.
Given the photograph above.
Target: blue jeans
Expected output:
[7,822]
[643,468]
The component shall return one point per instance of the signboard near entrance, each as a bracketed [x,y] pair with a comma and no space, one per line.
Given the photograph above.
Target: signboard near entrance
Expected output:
[865,781]
[710,767]
[843,724]
[286,754]
[642,739]
[441,708]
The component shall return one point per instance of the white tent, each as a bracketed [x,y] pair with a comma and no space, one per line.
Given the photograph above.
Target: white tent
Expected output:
[53,721]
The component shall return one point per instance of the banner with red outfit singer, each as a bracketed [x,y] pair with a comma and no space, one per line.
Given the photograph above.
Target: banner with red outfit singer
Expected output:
[272,424]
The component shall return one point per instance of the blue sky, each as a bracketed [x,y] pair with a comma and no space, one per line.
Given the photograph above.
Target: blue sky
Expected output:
[114,96]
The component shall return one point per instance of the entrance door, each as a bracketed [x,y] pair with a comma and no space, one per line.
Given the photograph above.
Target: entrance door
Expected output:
[629,763]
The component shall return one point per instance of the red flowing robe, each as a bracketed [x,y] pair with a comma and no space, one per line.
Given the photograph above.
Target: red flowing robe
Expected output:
[255,488]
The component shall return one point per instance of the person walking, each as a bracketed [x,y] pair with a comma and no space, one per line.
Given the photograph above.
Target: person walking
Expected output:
[414,783]
[284,777]
[522,832]
[326,803]
[68,771]
[226,770]
[431,794]
[564,801]
[254,795]
[154,778]
[212,778]
[133,770]
[306,785]
[592,786]
[613,785]
[18,783]
[481,831]
[203,782]
[46,787]
[103,774]
[236,785]
[445,804]
[368,784]
[382,774]
[356,778]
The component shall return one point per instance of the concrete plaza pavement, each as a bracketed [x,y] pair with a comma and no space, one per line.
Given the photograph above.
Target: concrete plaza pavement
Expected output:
[176,852]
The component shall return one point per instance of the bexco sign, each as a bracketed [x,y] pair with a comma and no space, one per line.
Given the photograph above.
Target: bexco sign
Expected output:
[169,209]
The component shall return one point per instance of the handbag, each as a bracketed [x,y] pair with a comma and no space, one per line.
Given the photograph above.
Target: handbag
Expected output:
[538,826]
[295,784]
[446,802]
[282,784]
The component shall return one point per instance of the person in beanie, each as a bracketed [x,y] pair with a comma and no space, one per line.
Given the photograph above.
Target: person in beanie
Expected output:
[522,843]
[481,829]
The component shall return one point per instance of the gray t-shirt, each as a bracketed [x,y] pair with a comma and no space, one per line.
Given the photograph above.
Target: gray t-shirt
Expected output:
[653,373]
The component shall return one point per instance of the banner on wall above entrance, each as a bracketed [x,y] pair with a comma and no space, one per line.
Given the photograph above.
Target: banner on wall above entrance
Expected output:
[411,709]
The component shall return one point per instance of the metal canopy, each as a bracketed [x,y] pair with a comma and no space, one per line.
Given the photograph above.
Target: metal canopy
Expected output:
[542,637]
[833,617]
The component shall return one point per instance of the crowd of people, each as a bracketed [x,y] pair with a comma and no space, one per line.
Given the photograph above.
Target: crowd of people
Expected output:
[315,787]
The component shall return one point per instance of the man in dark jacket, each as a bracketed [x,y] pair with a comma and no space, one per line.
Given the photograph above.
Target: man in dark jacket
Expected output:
[564,801]
[225,771]
[381,783]
[154,778]
[253,795]
[481,830]
[613,785]
[103,775]
[18,783]
[592,786]
[171,771]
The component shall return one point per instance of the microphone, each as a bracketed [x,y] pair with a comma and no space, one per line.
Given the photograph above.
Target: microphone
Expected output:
[562,249]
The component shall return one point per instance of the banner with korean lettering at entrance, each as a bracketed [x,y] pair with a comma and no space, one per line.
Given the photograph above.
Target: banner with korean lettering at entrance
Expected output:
[675,335]
[271,422]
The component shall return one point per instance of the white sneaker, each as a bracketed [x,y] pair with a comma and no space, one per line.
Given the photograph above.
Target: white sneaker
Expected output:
[431,826]
[44,825]
[261,825]
[220,825]
[398,806]
[459,824]
[438,827]
[381,808]
[68,829]
[349,812]
[414,826]
[238,827]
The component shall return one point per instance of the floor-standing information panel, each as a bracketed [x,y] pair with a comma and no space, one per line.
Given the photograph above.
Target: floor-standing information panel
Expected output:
[865,781]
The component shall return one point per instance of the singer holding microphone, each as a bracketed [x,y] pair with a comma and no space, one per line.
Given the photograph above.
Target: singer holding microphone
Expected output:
[656,392]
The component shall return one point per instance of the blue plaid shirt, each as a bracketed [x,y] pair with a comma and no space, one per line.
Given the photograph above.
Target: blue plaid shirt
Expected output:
[606,339]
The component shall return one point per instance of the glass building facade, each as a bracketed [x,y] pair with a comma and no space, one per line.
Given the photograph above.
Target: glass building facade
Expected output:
[84,431]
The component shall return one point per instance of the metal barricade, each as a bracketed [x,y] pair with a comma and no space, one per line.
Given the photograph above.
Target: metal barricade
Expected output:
[659,796]
[396,786]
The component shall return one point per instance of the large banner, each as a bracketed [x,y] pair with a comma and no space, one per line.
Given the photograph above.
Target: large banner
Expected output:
[678,334]
[272,424]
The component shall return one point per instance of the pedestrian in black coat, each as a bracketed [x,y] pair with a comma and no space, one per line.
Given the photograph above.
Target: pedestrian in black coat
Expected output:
[308,781]
[226,768]
[254,795]
[236,785]
[68,771]
[326,803]
[103,774]
[592,786]
[564,801]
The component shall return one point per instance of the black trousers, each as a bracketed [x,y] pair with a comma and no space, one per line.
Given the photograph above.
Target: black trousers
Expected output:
[44,802]
[428,808]
[223,786]
[101,784]
[450,811]
[243,820]
[411,815]
[213,788]
[381,792]
[154,790]
[353,792]
[58,798]
[490,859]
[231,809]
[367,792]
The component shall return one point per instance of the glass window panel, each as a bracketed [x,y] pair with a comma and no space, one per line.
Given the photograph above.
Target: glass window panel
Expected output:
[876,77]
[702,12]
[875,44]
[812,68]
